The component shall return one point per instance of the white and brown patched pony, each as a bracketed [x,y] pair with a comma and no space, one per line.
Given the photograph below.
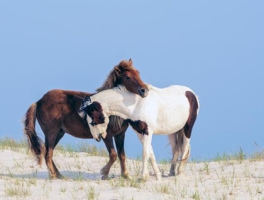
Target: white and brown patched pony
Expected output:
[169,111]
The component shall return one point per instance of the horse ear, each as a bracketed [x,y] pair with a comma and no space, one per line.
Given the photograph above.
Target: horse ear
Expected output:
[86,102]
[130,61]
[87,99]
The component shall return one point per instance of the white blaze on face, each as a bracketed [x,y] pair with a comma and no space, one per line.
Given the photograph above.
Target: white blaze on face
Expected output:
[96,130]
[103,127]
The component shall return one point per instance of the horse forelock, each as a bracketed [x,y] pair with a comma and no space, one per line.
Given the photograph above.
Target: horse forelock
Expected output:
[126,65]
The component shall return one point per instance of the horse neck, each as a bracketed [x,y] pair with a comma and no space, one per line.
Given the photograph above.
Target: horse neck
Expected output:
[115,102]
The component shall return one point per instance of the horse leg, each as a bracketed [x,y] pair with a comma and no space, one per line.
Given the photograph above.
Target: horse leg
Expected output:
[175,153]
[185,153]
[187,131]
[172,139]
[146,155]
[154,164]
[112,156]
[145,172]
[51,140]
[59,136]
[119,141]
[175,142]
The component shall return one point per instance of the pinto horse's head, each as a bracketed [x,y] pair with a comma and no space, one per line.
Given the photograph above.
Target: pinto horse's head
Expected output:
[125,74]
[95,117]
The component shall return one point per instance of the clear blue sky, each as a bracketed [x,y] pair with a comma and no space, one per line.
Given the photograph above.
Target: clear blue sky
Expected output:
[214,47]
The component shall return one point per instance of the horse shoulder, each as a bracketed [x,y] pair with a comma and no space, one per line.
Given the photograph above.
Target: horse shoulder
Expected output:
[146,109]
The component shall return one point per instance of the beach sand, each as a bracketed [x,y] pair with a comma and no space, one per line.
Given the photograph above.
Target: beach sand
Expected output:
[22,178]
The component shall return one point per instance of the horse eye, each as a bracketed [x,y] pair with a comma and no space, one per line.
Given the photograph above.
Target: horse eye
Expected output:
[92,123]
[127,77]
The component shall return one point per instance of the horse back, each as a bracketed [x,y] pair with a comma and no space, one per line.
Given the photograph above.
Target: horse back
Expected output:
[58,110]
[58,103]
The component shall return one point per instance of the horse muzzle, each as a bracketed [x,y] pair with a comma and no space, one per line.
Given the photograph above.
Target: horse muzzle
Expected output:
[143,92]
[100,136]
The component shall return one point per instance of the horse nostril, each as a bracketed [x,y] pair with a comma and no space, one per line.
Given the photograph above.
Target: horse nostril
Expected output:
[99,137]
[143,92]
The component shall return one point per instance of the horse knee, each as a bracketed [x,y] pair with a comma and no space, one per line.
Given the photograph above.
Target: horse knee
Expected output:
[113,157]
[122,157]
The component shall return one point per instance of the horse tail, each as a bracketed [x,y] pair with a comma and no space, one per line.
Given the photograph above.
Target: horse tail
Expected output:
[185,132]
[35,143]
[194,109]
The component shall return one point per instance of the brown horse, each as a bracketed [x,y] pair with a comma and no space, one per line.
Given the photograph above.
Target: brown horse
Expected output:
[57,114]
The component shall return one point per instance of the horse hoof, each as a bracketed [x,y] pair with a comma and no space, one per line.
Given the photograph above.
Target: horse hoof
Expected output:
[171,174]
[144,177]
[127,176]
[158,177]
[104,177]
[180,171]
[59,176]
[179,175]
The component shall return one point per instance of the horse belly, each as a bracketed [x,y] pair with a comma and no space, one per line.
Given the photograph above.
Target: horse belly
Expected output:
[170,126]
[172,119]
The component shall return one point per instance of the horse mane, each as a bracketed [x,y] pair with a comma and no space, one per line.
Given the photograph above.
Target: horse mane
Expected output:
[114,80]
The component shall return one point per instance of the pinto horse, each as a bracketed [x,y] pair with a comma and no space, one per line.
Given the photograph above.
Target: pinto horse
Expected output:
[169,111]
[57,114]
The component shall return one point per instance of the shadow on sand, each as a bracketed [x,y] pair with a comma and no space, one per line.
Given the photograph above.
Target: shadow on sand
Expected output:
[72,175]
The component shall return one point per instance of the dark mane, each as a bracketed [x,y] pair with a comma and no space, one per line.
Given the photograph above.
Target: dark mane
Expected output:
[113,79]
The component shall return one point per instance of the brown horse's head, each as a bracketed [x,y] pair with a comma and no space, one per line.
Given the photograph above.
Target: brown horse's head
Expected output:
[93,110]
[125,74]
[94,114]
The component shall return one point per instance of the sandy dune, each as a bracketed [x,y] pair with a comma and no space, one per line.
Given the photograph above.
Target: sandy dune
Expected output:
[21,178]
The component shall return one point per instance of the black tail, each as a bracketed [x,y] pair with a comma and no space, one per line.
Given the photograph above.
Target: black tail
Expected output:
[35,143]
